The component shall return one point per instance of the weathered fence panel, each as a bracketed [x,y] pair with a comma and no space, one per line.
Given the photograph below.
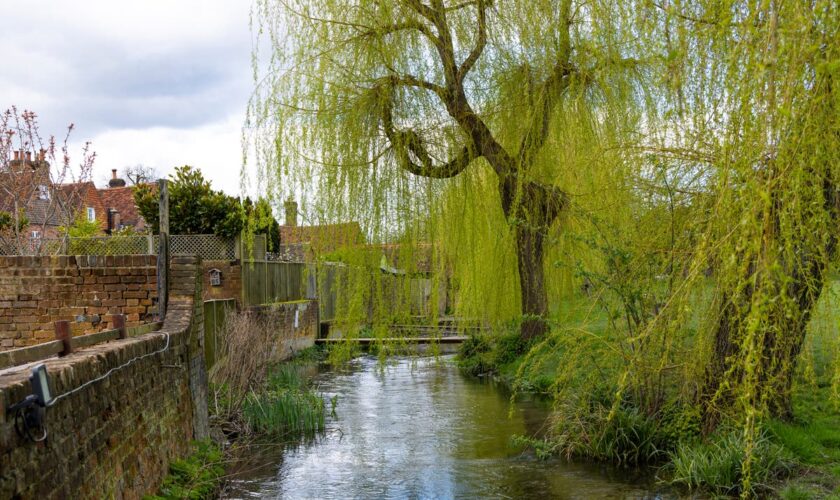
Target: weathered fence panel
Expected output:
[215,316]
[328,276]
[266,282]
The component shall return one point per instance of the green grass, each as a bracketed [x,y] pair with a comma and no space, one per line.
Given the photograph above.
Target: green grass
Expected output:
[813,438]
[195,477]
[286,407]
[715,465]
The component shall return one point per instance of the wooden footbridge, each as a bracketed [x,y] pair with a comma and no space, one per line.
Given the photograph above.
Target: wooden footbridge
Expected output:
[447,331]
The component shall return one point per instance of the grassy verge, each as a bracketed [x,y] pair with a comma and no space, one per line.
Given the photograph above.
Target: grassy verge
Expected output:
[195,477]
[813,438]
[275,404]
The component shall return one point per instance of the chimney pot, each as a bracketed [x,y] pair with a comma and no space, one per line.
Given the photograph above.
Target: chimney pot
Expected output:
[17,155]
[113,173]
[29,156]
[42,155]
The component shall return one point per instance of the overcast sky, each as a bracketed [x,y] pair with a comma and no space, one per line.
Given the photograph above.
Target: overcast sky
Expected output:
[161,83]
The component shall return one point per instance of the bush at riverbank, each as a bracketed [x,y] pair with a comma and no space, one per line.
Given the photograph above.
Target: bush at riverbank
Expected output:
[580,364]
[196,477]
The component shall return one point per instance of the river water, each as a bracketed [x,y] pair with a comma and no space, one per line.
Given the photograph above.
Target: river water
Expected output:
[417,428]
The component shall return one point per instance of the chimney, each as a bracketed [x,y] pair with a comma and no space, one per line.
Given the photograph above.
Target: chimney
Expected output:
[291,212]
[42,155]
[115,181]
[17,156]
[29,156]
[113,221]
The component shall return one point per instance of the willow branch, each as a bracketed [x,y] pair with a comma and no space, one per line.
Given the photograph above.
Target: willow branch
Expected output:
[408,25]
[396,80]
[407,144]
[421,8]
[481,41]
[455,98]
[551,91]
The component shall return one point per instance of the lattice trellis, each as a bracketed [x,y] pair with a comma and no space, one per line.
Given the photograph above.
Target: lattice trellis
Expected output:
[116,245]
[206,246]
[104,245]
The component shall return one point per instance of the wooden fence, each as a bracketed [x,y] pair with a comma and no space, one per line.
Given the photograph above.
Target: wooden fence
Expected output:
[266,282]
[401,293]
[215,316]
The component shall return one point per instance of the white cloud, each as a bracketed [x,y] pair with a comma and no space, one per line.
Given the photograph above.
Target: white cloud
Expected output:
[214,148]
[155,82]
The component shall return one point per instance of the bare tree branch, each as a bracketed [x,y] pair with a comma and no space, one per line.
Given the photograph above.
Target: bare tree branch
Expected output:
[408,144]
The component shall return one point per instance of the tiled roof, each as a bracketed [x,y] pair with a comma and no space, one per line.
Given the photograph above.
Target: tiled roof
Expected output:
[121,199]
[23,187]
[323,238]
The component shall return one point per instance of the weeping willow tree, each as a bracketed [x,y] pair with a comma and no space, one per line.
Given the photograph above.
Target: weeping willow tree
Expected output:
[356,96]
[757,85]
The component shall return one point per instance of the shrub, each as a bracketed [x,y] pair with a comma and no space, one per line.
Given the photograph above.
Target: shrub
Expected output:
[197,476]
[482,354]
[473,355]
[716,465]
[593,430]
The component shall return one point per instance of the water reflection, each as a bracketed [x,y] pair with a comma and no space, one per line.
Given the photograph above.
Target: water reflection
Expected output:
[419,429]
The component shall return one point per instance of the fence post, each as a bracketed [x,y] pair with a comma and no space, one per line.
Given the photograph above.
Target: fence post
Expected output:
[266,281]
[62,333]
[163,248]
[118,320]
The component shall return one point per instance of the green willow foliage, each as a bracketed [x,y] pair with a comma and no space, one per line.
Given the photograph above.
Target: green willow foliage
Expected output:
[695,146]
[353,100]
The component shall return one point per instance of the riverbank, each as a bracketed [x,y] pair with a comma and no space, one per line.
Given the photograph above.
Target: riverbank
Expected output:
[415,427]
[795,459]
[280,407]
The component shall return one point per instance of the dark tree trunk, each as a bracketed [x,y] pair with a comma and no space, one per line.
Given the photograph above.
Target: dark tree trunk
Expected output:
[531,212]
[783,342]
[779,352]
[529,257]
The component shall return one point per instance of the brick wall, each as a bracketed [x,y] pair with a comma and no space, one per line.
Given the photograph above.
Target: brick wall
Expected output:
[294,326]
[36,291]
[116,437]
[231,287]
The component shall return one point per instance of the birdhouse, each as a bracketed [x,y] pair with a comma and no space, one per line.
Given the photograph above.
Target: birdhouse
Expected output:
[215,277]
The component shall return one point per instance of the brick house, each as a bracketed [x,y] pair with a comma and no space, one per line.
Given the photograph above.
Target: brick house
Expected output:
[26,187]
[306,243]
[84,201]
[120,209]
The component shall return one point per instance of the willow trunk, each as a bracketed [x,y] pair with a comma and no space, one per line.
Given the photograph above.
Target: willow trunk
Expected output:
[534,301]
